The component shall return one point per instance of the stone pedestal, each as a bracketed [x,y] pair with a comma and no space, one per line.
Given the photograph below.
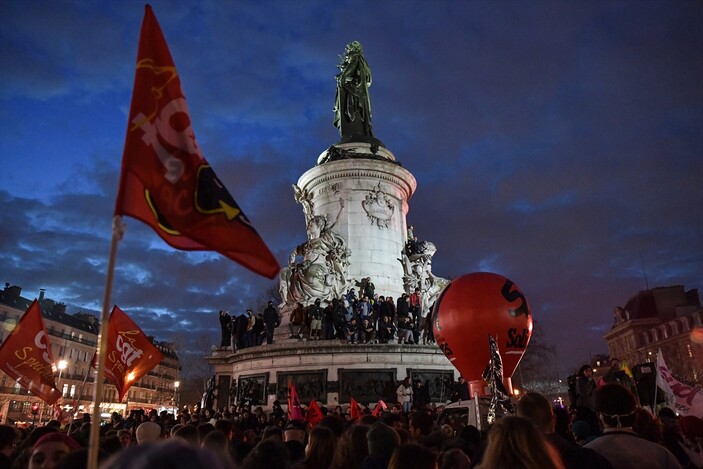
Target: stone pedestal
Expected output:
[375,190]
[331,371]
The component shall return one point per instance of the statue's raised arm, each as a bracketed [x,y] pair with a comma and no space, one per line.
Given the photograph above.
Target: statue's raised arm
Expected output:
[352,109]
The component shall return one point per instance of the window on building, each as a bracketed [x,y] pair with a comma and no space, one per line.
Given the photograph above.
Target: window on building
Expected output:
[73,391]
[65,389]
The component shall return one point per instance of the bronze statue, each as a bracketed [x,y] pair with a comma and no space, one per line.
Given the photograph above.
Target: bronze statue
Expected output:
[352,108]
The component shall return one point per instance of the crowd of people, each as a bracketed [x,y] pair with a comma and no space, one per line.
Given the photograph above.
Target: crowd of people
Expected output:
[539,436]
[368,318]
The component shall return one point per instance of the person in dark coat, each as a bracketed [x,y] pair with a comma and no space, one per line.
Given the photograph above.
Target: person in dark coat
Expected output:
[271,321]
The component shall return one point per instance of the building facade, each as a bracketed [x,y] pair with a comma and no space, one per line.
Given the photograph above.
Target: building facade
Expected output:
[73,339]
[669,319]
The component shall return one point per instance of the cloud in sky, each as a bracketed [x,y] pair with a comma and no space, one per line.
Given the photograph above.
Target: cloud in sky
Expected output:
[558,144]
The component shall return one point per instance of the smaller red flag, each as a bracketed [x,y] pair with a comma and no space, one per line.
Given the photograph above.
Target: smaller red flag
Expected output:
[294,411]
[379,409]
[130,353]
[314,414]
[26,356]
[354,410]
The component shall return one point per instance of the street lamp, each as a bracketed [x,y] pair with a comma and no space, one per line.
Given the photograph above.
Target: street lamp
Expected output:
[62,365]
[176,385]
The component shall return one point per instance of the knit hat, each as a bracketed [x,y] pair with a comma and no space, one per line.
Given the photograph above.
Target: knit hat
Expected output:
[148,432]
[382,439]
[59,438]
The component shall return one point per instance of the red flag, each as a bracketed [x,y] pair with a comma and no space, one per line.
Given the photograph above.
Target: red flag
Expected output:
[130,353]
[294,411]
[354,410]
[26,356]
[379,409]
[166,182]
[314,414]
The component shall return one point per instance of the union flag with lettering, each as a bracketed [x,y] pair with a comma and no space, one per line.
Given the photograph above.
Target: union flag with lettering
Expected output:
[166,182]
[129,353]
[26,356]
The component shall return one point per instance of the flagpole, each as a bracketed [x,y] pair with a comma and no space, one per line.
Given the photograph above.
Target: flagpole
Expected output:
[94,445]
[656,388]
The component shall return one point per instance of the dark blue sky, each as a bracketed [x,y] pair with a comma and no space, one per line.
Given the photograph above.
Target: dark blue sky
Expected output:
[557,143]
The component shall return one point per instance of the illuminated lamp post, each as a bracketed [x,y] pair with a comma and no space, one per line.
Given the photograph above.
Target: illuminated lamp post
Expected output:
[176,385]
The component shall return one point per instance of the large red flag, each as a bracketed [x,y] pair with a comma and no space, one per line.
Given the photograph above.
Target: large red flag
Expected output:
[26,356]
[130,353]
[166,182]
[314,414]
[354,410]
[294,411]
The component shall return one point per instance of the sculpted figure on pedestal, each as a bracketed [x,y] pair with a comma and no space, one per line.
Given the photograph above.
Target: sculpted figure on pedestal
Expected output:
[416,259]
[323,271]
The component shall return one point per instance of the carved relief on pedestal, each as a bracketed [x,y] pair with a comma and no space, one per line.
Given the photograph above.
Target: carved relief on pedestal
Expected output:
[378,207]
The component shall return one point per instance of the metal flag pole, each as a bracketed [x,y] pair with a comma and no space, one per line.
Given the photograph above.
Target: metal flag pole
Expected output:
[93,447]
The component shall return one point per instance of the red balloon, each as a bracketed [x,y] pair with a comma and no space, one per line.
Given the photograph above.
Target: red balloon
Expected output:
[471,308]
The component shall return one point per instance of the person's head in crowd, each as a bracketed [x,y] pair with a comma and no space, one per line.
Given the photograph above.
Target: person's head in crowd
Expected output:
[368,420]
[273,432]
[453,459]
[352,448]
[111,445]
[268,454]
[412,455]
[224,426]
[537,409]
[50,448]
[668,417]
[148,432]
[54,424]
[582,432]
[295,430]
[189,434]
[8,439]
[382,439]
[218,442]
[334,424]
[513,442]
[394,420]
[320,448]
[646,426]
[447,431]
[204,429]
[615,364]
[615,406]
[125,437]
[470,434]
[420,425]
[168,454]
[562,422]
[585,371]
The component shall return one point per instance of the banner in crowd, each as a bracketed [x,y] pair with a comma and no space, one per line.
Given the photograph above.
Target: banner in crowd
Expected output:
[354,410]
[314,414]
[166,182]
[493,375]
[294,410]
[129,354]
[683,398]
[379,409]
[26,356]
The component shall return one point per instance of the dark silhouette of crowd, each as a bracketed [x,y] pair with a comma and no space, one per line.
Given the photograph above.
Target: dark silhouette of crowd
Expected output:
[540,435]
[365,319]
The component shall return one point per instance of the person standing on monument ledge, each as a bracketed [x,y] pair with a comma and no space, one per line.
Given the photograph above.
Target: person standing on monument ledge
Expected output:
[297,321]
[270,321]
